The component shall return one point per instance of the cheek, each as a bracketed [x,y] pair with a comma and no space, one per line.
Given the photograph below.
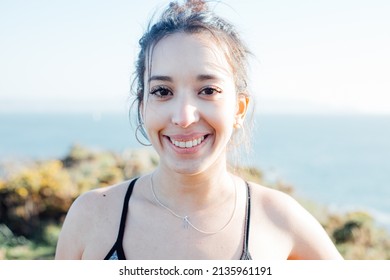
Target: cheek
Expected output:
[221,116]
[154,117]
[157,120]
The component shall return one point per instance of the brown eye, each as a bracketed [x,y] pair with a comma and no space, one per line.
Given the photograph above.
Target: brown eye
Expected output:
[210,91]
[161,92]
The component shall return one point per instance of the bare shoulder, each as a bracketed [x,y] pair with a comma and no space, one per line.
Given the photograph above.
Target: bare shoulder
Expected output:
[88,211]
[309,239]
[91,205]
[273,202]
[97,199]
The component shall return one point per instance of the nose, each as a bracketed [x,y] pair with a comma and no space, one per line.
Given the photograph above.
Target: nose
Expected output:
[185,113]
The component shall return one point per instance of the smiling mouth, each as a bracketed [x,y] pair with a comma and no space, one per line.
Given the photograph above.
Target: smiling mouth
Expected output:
[189,143]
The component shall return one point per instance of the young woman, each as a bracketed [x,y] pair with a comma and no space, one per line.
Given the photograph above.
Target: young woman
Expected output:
[192,100]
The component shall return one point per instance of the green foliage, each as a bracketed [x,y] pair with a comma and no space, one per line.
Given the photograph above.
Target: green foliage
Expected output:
[35,194]
[358,238]
[7,238]
[20,248]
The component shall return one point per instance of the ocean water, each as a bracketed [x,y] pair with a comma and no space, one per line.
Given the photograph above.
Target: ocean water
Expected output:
[340,161]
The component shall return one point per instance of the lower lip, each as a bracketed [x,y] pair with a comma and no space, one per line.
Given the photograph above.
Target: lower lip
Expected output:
[191,150]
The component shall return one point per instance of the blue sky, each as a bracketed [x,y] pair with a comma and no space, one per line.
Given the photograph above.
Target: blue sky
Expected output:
[311,56]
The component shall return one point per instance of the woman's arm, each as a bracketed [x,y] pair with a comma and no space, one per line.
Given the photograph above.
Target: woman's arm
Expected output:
[74,231]
[310,240]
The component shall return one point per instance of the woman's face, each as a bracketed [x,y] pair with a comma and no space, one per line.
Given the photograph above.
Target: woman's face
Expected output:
[190,103]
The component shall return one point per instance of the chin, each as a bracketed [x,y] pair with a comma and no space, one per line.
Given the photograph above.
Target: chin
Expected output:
[188,170]
[191,168]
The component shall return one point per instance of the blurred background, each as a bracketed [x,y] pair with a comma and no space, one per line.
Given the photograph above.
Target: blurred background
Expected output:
[320,85]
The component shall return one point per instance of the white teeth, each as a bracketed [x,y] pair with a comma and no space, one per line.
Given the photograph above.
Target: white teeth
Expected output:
[188,144]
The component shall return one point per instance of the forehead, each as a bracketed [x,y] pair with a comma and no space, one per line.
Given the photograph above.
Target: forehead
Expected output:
[185,53]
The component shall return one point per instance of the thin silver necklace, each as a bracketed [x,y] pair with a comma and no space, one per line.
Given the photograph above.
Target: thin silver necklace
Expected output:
[186,218]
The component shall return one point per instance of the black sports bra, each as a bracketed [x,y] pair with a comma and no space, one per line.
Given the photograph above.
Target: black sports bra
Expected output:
[117,252]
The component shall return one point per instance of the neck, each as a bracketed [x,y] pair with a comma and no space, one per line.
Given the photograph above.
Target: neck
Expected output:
[192,193]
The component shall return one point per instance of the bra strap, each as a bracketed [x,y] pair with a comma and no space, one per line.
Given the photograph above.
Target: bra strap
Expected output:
[119,240]
[247,220]
[125,210]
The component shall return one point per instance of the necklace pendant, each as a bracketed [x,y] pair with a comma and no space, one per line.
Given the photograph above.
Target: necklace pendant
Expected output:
[186,222]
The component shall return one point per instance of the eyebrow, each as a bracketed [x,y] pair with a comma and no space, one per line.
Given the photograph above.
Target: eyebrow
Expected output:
[206,77]
[160,78]
[202,77]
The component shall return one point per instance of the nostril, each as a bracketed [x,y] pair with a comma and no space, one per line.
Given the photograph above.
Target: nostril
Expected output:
[186,116]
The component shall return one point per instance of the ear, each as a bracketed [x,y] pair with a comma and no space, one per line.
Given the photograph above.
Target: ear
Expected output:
[242,108]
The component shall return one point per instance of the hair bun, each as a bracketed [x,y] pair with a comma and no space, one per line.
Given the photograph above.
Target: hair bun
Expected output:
[195,6]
